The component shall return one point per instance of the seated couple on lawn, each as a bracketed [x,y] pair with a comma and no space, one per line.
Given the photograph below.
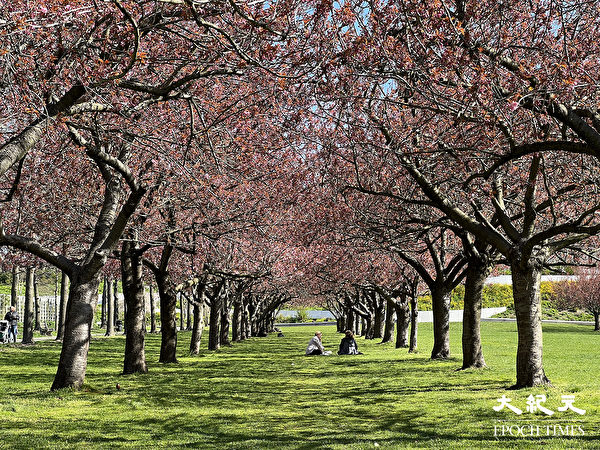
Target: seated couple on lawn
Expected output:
[348,345]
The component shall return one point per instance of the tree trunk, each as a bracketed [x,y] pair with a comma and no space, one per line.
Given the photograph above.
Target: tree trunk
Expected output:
[181,312]
[350,321]
[133,292]
[403,320]
[236,321]
[389,321]
[379,318]
[245,320]
[110,312]
[62,309]
[168,318]
[38,325]
[188,316]
[116,300]
[225,322]
[214,335]
[596,321]
[152,312]
[526,294]
[440,299]
[471,334]
[103,312]
[83,297]
[197,328]
[29,306]
[14,288]
[414,324]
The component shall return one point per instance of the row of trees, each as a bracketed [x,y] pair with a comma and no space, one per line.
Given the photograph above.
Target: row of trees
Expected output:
[334,149]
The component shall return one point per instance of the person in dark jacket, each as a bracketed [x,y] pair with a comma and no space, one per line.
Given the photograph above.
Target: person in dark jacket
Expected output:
[348,345]
[12,316]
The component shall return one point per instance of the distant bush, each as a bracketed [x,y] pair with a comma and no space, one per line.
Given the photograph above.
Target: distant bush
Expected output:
[494,296]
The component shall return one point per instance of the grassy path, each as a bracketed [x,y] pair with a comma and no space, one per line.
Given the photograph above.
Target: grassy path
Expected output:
[263,393]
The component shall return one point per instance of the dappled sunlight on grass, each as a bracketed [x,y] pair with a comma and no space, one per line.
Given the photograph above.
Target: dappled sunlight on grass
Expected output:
[265,393]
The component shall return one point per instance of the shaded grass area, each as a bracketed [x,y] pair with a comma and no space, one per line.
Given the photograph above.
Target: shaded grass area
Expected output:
[263,393]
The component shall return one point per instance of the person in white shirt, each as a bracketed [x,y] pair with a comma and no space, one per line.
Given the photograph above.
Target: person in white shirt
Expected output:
[315,347]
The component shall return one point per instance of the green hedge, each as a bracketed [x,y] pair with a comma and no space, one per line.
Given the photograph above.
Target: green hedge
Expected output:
[494,296]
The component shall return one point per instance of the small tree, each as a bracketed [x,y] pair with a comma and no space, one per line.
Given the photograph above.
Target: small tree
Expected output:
[583,293]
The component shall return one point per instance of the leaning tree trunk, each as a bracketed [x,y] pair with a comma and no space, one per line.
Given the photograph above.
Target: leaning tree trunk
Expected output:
[62,308]
[152,312]
[440,299]
[526,294]
[83,297]
[110,308]
[29,306]
[403,320]
[168,318]
[215,323]
[471,334]
[133,292]
[389,321]
[414,324]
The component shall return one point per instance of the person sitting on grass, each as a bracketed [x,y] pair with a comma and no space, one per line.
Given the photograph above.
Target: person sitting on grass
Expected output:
[348,346]
[315,347]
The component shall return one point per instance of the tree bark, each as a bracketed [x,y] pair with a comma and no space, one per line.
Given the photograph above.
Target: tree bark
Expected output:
[225,322]
[168,318]
[115,286]
[29,306]
[14,288]
[403,321]
[181,312]
[188,316]
[414,324]
[526,294]
[110,314]
[214,335]
[236,321]
[389,321]
[379,317]
[83,297]
[103,312]
[471,335]
[133,292]
[596,321]
[38,325]
[440,299]
[152,312]
[62,309]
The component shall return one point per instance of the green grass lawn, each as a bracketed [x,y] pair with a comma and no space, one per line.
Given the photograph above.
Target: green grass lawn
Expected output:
[263,393]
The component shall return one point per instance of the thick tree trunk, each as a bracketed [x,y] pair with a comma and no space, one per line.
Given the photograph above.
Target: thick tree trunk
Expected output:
[83,297]
[168,318]
[368,327]
[471,334]
[341,324]
[350,321]
[403,321]
[14,288]
[197,328]
[110,308]
[152,312]
[378,319]
[188,316]
[358,322]
[29,306]
[388,332]
[133,291]
[214,335]
[440,299]
[596,321]
[526,294]
[62,309]
[414,324]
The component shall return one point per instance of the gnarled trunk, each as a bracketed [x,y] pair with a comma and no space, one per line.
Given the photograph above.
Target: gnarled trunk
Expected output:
[83,297]
[440,299]
[389,321]
[526,294]
[168,318]
[471,334]
[133,291]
